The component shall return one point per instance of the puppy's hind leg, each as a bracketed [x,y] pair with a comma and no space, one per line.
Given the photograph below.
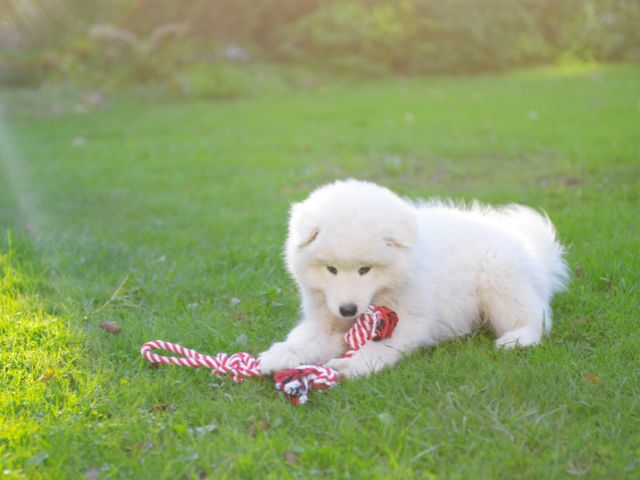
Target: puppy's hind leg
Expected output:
[518,316]
[526,336]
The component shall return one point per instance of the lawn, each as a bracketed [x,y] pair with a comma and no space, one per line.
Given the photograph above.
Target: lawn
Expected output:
[169,217]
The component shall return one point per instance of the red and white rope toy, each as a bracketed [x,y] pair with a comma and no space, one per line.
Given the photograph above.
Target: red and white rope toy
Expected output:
[376,323]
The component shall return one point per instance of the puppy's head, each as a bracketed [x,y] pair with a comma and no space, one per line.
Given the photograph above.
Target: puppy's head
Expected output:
[348,242]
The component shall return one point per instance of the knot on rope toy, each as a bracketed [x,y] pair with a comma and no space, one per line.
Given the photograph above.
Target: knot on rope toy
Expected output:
[376,323]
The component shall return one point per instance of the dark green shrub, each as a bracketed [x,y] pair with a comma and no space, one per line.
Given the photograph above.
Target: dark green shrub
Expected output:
[462,35]
[155,40]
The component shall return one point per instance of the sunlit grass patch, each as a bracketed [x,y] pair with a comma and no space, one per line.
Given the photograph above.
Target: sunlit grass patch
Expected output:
[40,357]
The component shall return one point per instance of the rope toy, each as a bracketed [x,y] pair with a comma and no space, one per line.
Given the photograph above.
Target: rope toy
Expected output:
[376,323]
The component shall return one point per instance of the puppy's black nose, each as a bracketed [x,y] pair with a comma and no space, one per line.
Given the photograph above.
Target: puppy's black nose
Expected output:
[348,309]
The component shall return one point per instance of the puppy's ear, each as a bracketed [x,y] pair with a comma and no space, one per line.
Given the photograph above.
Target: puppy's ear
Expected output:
[303,228]
[403,232]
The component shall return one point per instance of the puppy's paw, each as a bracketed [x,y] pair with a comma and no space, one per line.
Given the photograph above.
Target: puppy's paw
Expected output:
[338,364]
[281,356]
[522,337]
[350,367]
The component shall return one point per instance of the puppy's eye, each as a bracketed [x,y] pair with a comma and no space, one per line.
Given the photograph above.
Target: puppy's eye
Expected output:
[364,270]
[333,270]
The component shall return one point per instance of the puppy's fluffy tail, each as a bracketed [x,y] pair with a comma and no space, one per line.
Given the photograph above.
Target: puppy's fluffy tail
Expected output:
[538,229]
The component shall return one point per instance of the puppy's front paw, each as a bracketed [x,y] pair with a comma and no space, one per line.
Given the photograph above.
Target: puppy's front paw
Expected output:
[349,368]
[338,364]
[281,356]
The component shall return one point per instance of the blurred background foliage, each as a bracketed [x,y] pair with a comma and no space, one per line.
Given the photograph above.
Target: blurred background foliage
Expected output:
[206,47]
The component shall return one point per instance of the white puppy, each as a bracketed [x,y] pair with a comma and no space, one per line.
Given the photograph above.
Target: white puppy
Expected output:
[445,269]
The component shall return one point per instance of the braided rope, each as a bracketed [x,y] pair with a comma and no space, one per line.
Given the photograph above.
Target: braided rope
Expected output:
[238,366]
[376,323]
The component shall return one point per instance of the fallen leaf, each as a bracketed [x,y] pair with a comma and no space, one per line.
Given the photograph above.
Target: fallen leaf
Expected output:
[579,271]
[240,317]
[47,375]
[163,407]
[141,447]
[579,467]
[256,427]
[607,284]
[111,327]
[592,377]
[572,182]
[291,457]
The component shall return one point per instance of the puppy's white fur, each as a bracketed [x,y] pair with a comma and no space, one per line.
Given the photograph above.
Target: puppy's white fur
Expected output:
[445,269]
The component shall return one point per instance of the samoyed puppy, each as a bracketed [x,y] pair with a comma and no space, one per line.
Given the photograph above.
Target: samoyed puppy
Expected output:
[444,268]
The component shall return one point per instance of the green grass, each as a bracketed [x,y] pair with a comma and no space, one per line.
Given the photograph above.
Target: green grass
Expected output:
[187,203]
